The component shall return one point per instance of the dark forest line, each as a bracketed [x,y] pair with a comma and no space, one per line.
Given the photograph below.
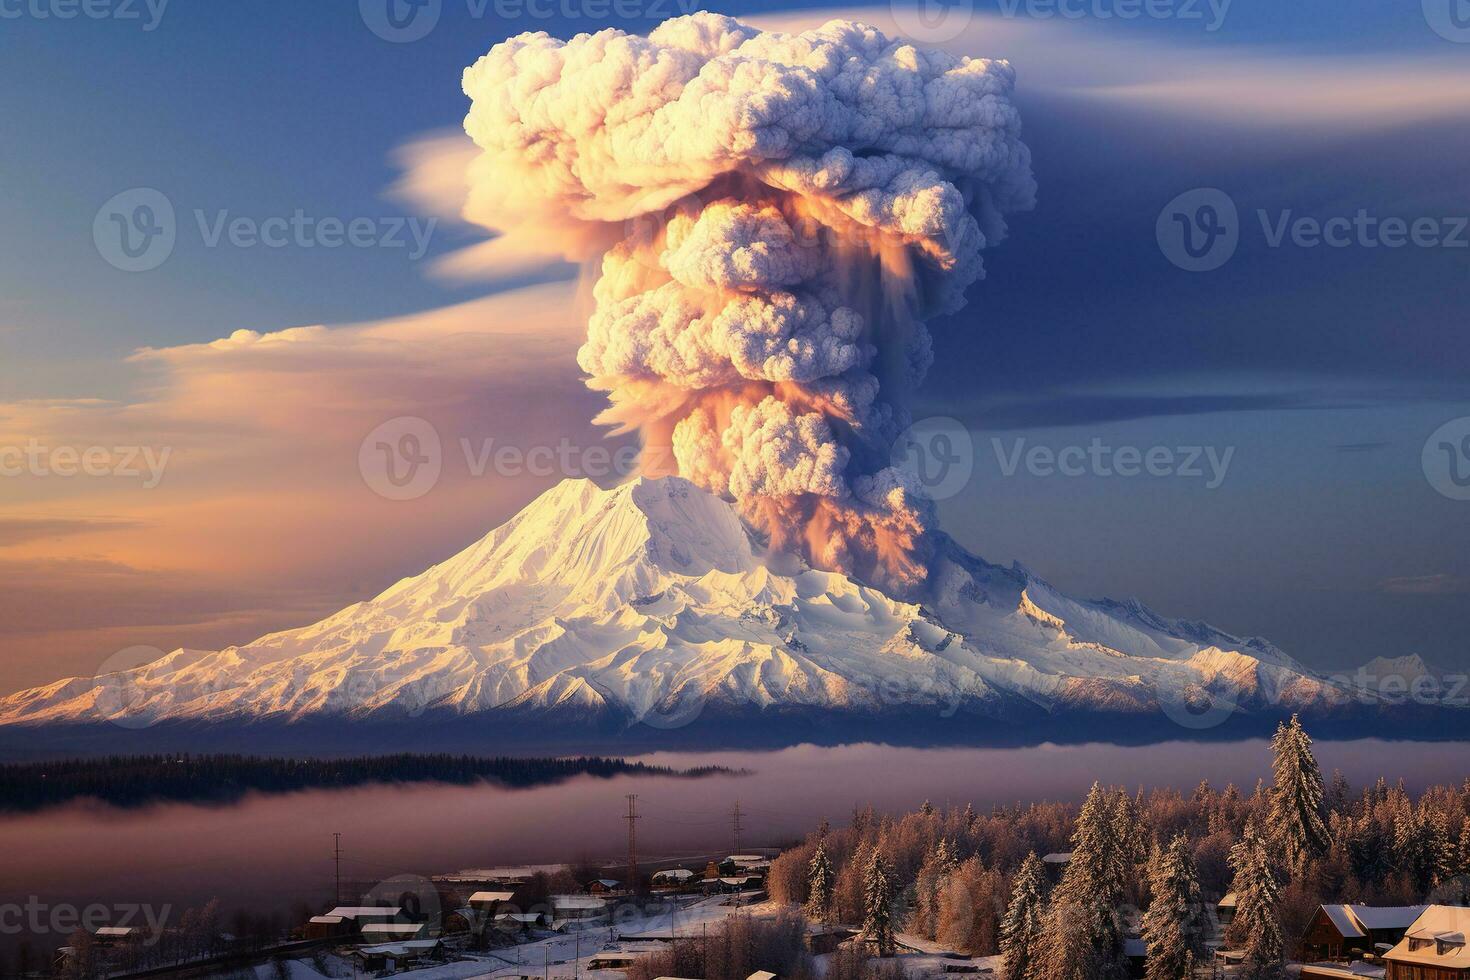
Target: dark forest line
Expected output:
[138,780]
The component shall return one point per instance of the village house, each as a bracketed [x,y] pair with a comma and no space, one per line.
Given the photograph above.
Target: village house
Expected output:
[392,957]
[671,878]
[1340,931]
[1225,909]
[489,901]
[349,920]
[382,932]
[577,909]
[1433,948]
[602,886]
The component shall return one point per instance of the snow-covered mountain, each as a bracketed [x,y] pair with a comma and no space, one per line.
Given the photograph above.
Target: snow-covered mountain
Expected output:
[651,604]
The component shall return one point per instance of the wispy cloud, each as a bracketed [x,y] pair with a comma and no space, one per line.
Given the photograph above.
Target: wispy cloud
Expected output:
[263,517]
[1437,584]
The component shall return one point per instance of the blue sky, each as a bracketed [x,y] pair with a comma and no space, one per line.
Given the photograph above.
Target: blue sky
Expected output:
[1324,369]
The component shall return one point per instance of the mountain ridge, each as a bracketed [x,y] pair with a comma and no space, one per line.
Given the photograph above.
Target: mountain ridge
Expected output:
[651,605]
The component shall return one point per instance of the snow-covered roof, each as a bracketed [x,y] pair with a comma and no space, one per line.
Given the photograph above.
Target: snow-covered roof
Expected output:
[517,917]
[605,882]
[1386,916]
[366,911]
[492,896]
[1357,970]
[1058,857]
[408,947]
[115,931]
[1228,902]
[761,975]
[680,873]
[392,928]
[1342,920]
[745,880]
[1436,938]
[327,920]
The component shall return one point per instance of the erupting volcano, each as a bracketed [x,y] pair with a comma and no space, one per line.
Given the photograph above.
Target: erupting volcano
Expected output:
[772,218]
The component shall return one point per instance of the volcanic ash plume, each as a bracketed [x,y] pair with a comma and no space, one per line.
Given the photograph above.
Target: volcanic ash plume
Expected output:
[776,215]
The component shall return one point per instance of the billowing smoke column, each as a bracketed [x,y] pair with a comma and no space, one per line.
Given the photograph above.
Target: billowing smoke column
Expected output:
[776,215]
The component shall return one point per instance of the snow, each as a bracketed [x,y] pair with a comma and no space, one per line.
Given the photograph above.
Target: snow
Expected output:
[1342,920]
[1387,916]
[652,599]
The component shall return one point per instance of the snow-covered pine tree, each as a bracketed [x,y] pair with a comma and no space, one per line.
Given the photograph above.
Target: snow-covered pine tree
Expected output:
[1171,925]
[1464,863]
[1295,813]
[1439,865]
[926,808]
[1021,929]
[969,815]
[821,880]
[1257,906]
[878,890]
[1083,937]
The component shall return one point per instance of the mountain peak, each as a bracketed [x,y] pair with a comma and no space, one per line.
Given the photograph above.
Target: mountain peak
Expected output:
[645,601]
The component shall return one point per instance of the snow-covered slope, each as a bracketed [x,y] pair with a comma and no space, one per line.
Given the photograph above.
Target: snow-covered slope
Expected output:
[650,602]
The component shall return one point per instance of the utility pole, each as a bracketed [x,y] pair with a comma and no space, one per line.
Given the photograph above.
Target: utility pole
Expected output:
[632,843]
[736,825]
[337,860]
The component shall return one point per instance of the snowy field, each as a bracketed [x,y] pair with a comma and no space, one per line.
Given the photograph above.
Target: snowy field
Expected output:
[567,957]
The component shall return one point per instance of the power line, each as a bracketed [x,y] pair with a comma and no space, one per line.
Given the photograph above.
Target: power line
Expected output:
[735,825]
[337,860]
[632,843]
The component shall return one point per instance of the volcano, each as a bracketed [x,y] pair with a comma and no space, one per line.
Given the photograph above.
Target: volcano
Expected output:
[651,612]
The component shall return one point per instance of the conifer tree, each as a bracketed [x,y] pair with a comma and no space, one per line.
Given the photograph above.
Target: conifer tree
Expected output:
[1439,847]
[1084,940]
[1022,928]
[878,891]
[821,881]
[1257,906]
[969,815]
[1464,864]
[1170,926]
[1295,812]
